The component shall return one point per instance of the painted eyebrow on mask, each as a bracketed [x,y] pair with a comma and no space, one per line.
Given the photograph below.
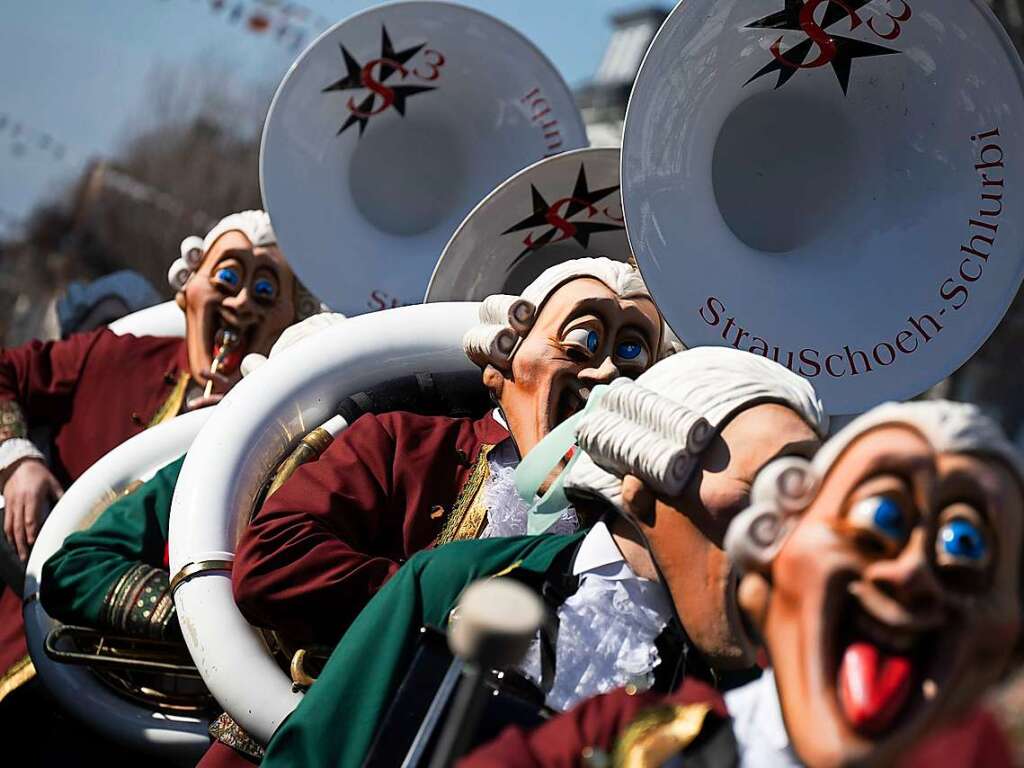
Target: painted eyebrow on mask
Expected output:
[962,487]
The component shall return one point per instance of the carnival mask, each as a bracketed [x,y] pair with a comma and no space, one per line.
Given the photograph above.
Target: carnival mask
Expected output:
[238,301]
[584,335]
[893,599]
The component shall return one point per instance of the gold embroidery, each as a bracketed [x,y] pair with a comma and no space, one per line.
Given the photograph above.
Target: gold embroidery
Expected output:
[12,421]
[139,603]
[508,570]
[172,405]
[20,673]
[227,731]
[469,514]
[658,733]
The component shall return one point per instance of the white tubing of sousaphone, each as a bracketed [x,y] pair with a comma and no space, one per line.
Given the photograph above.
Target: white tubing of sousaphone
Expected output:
[249,432]
[844,233]
[180,739]
[362,208]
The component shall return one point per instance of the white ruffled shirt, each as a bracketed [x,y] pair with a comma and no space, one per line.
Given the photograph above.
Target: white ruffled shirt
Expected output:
[506,510]
[761,737]
[607,629]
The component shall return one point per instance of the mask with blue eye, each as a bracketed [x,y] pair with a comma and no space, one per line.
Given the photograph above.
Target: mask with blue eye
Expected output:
[228,276]
[881,516]
[632,352]
[264,289]
[583,337]
[961,542]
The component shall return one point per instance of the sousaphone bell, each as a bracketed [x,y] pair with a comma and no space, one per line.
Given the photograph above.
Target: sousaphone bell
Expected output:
[830,184]
[388,129]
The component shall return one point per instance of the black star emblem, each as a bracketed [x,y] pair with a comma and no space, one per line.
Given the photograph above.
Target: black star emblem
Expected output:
[353,80]
[582,199]
[847,48]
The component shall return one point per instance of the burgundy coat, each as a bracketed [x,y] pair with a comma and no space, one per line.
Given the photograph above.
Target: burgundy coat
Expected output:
[93,391]
[595,724]
[341,526]
[599,722]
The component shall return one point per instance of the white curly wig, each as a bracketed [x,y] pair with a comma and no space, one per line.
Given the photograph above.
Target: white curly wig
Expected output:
[255,225]
[657,426]
[505,320]
[786,487]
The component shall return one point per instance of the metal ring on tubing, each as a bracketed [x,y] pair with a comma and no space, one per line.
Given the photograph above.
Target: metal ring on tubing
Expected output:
[179,738]
[248,434]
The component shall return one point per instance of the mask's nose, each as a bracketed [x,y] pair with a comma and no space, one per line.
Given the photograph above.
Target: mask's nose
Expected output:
[909,579]
[603,374]
[241,308]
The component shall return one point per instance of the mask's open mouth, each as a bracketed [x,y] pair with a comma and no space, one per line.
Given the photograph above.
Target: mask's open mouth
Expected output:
[879,667]
[228,347]
[570,402]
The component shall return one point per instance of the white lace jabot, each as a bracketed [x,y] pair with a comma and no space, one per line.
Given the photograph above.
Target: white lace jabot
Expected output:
[607,630]
[506,511]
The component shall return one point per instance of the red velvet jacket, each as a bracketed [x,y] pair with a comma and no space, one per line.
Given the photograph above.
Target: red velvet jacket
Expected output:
[330,537]
[596,725]
[93,390]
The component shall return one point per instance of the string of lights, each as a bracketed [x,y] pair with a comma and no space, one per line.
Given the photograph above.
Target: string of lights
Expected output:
[289,24]
[22,138]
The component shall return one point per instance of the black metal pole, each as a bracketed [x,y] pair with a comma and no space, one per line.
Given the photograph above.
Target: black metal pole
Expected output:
[462,719]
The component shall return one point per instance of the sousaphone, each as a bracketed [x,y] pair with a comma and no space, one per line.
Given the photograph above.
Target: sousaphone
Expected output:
[388,129]
[284,413]
[830,184]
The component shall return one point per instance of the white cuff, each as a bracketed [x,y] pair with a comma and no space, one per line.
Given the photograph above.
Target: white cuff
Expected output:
[15,449]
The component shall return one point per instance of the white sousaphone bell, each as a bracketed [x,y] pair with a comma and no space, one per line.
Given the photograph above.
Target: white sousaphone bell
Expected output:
[560,208]
[831,184]
[388,129]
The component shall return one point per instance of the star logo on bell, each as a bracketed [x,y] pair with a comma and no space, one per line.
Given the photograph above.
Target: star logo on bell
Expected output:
[388,78]
[816,20]
[576,216]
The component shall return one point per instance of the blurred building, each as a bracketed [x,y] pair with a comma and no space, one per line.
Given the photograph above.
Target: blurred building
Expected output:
[603,100]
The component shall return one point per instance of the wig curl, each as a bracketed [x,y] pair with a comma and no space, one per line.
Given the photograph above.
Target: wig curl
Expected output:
[657,427]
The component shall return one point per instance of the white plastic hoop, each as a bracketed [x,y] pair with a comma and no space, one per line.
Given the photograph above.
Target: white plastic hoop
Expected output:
[249,432]
[179,738]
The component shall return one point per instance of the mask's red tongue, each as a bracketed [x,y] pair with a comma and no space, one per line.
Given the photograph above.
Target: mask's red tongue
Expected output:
[873,687]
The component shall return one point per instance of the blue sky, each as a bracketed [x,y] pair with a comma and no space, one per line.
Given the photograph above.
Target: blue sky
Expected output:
[76,70]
